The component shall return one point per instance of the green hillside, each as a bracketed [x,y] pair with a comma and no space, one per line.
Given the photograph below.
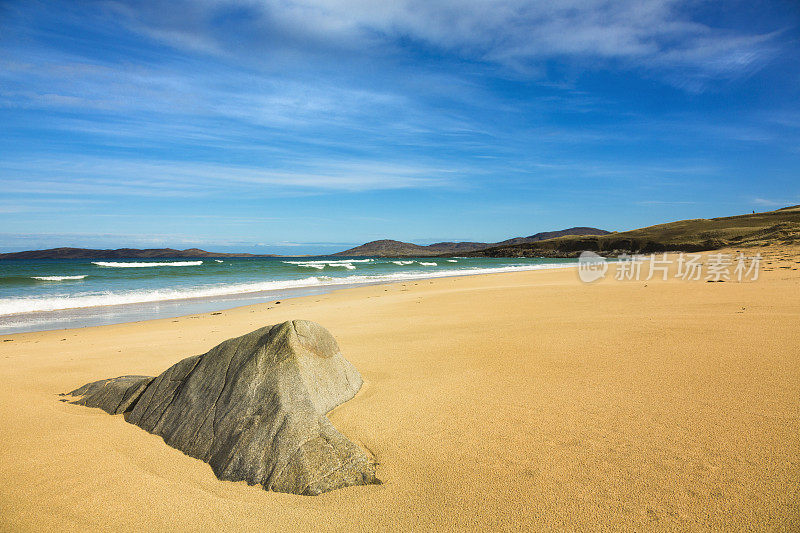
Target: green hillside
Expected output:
[758,229]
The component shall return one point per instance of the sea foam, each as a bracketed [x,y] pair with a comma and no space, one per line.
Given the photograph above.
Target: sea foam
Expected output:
[12,306]
[328,261]
[57,278]
[113,264]
[321,264]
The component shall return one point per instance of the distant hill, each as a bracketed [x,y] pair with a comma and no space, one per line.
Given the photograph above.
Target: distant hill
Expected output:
[758,229]
[119,253]
[544,235]
[770,227]
[391,248]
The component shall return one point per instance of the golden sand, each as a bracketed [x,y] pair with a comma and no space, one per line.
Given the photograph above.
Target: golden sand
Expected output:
[506,401]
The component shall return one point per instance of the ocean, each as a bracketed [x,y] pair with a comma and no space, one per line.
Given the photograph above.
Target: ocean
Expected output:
[66,293]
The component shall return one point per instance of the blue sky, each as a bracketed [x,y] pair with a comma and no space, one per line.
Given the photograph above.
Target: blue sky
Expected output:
[307,126]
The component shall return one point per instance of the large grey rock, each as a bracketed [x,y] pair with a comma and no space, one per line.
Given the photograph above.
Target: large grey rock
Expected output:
[253,408]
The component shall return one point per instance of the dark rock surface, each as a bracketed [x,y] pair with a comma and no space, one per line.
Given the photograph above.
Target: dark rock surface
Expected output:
[253,408]
[115,395]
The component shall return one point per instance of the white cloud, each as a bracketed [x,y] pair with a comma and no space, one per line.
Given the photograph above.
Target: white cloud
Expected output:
[651,33]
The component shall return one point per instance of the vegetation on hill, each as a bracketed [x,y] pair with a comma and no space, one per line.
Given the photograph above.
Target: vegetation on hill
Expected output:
[758,229]
[390,248]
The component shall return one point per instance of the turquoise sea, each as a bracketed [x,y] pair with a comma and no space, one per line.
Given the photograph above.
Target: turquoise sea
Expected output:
[55,294]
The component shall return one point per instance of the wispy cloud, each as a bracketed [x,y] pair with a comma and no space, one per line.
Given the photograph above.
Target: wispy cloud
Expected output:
[389,117]
[126,177]
[40,205]
[514,33]
[774,202]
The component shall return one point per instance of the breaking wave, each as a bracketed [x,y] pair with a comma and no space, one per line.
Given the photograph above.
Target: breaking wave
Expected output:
[57,278]
[321,264]
[10,306]
[112,264]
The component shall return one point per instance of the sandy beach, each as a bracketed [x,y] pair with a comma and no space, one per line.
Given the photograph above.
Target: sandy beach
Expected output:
[509,401]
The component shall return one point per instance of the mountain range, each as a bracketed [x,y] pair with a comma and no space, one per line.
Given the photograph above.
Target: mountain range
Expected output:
[781,226]
[755,229]
[119,253]
[391,248]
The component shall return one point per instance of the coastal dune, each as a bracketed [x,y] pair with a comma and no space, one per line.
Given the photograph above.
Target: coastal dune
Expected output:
[507,401]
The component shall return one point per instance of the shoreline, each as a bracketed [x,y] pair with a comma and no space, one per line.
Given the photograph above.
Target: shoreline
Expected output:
[557,404]
[108,314]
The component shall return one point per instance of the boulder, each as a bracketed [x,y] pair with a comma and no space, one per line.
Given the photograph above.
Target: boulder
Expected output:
[253,408]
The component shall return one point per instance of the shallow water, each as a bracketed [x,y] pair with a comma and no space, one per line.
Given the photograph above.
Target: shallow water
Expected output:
[53,294]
